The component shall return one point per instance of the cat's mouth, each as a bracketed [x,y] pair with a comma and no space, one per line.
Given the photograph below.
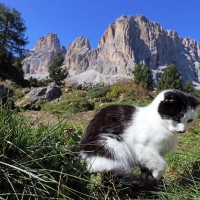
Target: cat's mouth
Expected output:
[174,131]
[177,132]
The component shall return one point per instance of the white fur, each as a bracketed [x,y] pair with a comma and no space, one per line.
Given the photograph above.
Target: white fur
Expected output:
[182,126]
[145,142]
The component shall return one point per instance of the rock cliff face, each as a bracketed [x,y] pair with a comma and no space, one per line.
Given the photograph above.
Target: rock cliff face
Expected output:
[130,41]
[125,43]
[38,60]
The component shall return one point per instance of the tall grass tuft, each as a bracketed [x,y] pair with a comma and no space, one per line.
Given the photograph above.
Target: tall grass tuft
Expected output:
[39,162]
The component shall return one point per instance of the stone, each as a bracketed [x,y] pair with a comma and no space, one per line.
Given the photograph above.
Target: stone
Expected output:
[43,94]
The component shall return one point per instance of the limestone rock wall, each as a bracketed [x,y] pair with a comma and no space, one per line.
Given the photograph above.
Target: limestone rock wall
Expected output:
[133,40]
[126,42]
[39,59]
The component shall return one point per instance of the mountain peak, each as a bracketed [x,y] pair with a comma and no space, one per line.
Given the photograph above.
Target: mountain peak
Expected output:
[130,40]
[38,60]
[48,42]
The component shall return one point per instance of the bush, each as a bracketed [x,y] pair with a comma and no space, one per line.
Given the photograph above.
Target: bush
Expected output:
[71,105]
[98,92]
[80,105]
[128,91]
[115,91]
[33,82]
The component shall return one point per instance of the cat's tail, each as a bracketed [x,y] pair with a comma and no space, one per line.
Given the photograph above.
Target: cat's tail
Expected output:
[145,182]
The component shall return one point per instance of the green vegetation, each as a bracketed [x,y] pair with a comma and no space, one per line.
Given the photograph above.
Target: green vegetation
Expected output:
[75,100]
[39,161]
[98,92]
[71,102]
[56,73]
[12,42]
[170,79]
[73,106]
[12,34]
[142,76]
[189,88]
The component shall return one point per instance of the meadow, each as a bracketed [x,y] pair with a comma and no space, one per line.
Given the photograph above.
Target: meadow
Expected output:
[39,160]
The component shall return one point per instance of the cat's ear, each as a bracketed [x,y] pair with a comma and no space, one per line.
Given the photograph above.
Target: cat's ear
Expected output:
[169,97]
[195,101]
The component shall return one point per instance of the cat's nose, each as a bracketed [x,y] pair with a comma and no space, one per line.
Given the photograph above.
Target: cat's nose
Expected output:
[182,131]
[181,128]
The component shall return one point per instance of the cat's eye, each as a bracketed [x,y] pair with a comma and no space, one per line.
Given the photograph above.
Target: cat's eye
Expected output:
[190,120]
[178,117]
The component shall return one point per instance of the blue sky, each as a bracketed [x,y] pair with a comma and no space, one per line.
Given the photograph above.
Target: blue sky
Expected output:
[70,19]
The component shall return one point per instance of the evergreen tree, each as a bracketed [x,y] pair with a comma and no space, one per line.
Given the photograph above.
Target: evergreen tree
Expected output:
[142,76]
[56,73]
[170,79]
[12,38]
[188,87]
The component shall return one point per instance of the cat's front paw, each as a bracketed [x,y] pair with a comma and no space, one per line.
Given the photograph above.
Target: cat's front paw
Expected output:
[156,168]
[159,172]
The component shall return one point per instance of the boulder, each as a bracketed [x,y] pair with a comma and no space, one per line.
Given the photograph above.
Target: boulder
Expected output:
[44,94]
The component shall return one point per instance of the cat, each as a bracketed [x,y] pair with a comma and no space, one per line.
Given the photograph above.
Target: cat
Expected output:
[120,137]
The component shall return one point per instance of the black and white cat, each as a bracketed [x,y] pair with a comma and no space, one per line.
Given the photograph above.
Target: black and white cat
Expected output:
[120,137]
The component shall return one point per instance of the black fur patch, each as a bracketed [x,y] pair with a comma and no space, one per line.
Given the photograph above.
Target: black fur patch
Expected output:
[110,121]
[175,104]
[132,181]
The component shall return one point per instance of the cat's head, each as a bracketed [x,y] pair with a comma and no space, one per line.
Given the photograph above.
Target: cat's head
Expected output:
[177,109]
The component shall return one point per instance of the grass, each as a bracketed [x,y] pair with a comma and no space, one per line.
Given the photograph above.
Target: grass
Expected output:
[39,161]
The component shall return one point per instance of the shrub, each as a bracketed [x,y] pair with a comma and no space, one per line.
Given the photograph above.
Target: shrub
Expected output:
[128,90]
[72,105]
[33,82]
[98,92]
[80,105]
[115,91]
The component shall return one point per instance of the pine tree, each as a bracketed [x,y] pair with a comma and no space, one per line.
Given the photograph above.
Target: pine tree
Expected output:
[12,38]
[142,76]
[170,79]
[56,73]
[188,87]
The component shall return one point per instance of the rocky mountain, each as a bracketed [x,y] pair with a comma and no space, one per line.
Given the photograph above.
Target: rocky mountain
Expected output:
[38,59]
[125,43]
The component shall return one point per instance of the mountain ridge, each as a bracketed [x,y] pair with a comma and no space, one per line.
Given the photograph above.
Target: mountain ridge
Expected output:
[126,42]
